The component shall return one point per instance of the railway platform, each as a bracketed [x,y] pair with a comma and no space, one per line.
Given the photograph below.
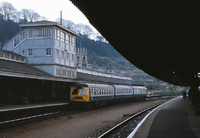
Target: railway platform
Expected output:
[12,112]
[10,107]
[174,119]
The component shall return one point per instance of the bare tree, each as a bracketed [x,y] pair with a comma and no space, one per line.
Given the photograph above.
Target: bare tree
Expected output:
[7,10]
[33,16]
[29,15]
[17,17]
[83,29]
[24,14]
[67,23]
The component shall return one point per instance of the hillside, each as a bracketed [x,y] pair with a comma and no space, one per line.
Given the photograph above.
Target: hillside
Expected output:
[7,30]
[102,55]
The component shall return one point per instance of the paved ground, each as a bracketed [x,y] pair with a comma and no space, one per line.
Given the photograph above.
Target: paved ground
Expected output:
[79,125]
[176,119]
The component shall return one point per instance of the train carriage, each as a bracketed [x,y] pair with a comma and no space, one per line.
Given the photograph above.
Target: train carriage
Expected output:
[89,93]
[139,92]
[100,94]
[123,91]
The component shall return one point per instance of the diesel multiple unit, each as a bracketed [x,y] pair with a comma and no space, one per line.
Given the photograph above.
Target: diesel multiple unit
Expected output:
[103,93]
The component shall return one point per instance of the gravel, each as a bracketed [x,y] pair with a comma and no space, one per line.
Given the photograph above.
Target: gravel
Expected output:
[87,124]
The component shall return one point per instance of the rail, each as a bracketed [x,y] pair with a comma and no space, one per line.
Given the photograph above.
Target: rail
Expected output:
[11,118]
[114,131]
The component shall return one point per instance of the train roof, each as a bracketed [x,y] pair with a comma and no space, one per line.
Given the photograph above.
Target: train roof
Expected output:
[122,86]
[105,85]
[91,85]
[139,87]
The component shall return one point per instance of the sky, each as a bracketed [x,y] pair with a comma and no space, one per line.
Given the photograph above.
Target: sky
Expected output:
[51,9]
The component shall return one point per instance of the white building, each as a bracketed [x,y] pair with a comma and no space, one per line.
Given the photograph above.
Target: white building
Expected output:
[48,46]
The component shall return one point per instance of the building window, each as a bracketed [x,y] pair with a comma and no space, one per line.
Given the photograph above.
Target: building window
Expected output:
[16,40]
[41,33]
[58,72]
[57,34]
[38,33]
[72,41]
[67,56]
[69,74]
[62,55]
[72,57]
[46,33]
[67,39]
[48,51]
[30,52]
[78,59]
[30,33]
[57,53]
[64,73]
[62,34]
[22,35]
[73,74]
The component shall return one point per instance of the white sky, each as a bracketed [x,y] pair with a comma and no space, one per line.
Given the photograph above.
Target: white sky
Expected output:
[51,9]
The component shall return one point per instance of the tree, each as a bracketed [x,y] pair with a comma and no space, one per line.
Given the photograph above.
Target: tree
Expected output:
[1,16]
[7,10]
[29,15]
[68,24]
[24,13]
[34,16]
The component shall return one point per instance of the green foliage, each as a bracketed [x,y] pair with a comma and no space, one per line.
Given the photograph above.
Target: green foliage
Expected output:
[170,92]
[102,55]
[96,48]
[7,30]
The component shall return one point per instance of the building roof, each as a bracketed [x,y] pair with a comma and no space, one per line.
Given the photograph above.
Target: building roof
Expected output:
[22,70]
[17,67]
[46,23]
[8,55]
[102,79]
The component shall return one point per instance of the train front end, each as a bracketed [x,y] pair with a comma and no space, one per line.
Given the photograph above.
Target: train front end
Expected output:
[79,94]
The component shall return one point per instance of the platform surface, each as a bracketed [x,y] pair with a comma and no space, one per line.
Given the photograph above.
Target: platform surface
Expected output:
[7,107]
[175,119]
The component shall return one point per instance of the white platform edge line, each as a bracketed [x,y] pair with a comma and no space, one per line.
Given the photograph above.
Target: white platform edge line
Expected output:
[32,107]
[138,126]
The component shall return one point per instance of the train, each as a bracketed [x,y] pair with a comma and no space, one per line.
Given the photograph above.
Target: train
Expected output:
[101,94]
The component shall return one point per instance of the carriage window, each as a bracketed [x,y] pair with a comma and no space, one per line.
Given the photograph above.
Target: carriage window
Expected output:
[92,91]
[95,91]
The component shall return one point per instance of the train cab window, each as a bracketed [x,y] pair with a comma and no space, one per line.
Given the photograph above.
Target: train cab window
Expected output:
[83,92]
[75,92]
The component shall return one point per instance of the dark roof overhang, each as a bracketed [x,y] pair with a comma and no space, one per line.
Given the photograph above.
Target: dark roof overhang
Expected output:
[159,37]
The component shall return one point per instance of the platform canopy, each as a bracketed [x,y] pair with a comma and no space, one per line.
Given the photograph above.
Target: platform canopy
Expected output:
[160,37]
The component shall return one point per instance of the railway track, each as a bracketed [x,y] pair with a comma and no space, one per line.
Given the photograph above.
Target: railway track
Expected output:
[18,118]
[129,125]
[11,124]
[10,119]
